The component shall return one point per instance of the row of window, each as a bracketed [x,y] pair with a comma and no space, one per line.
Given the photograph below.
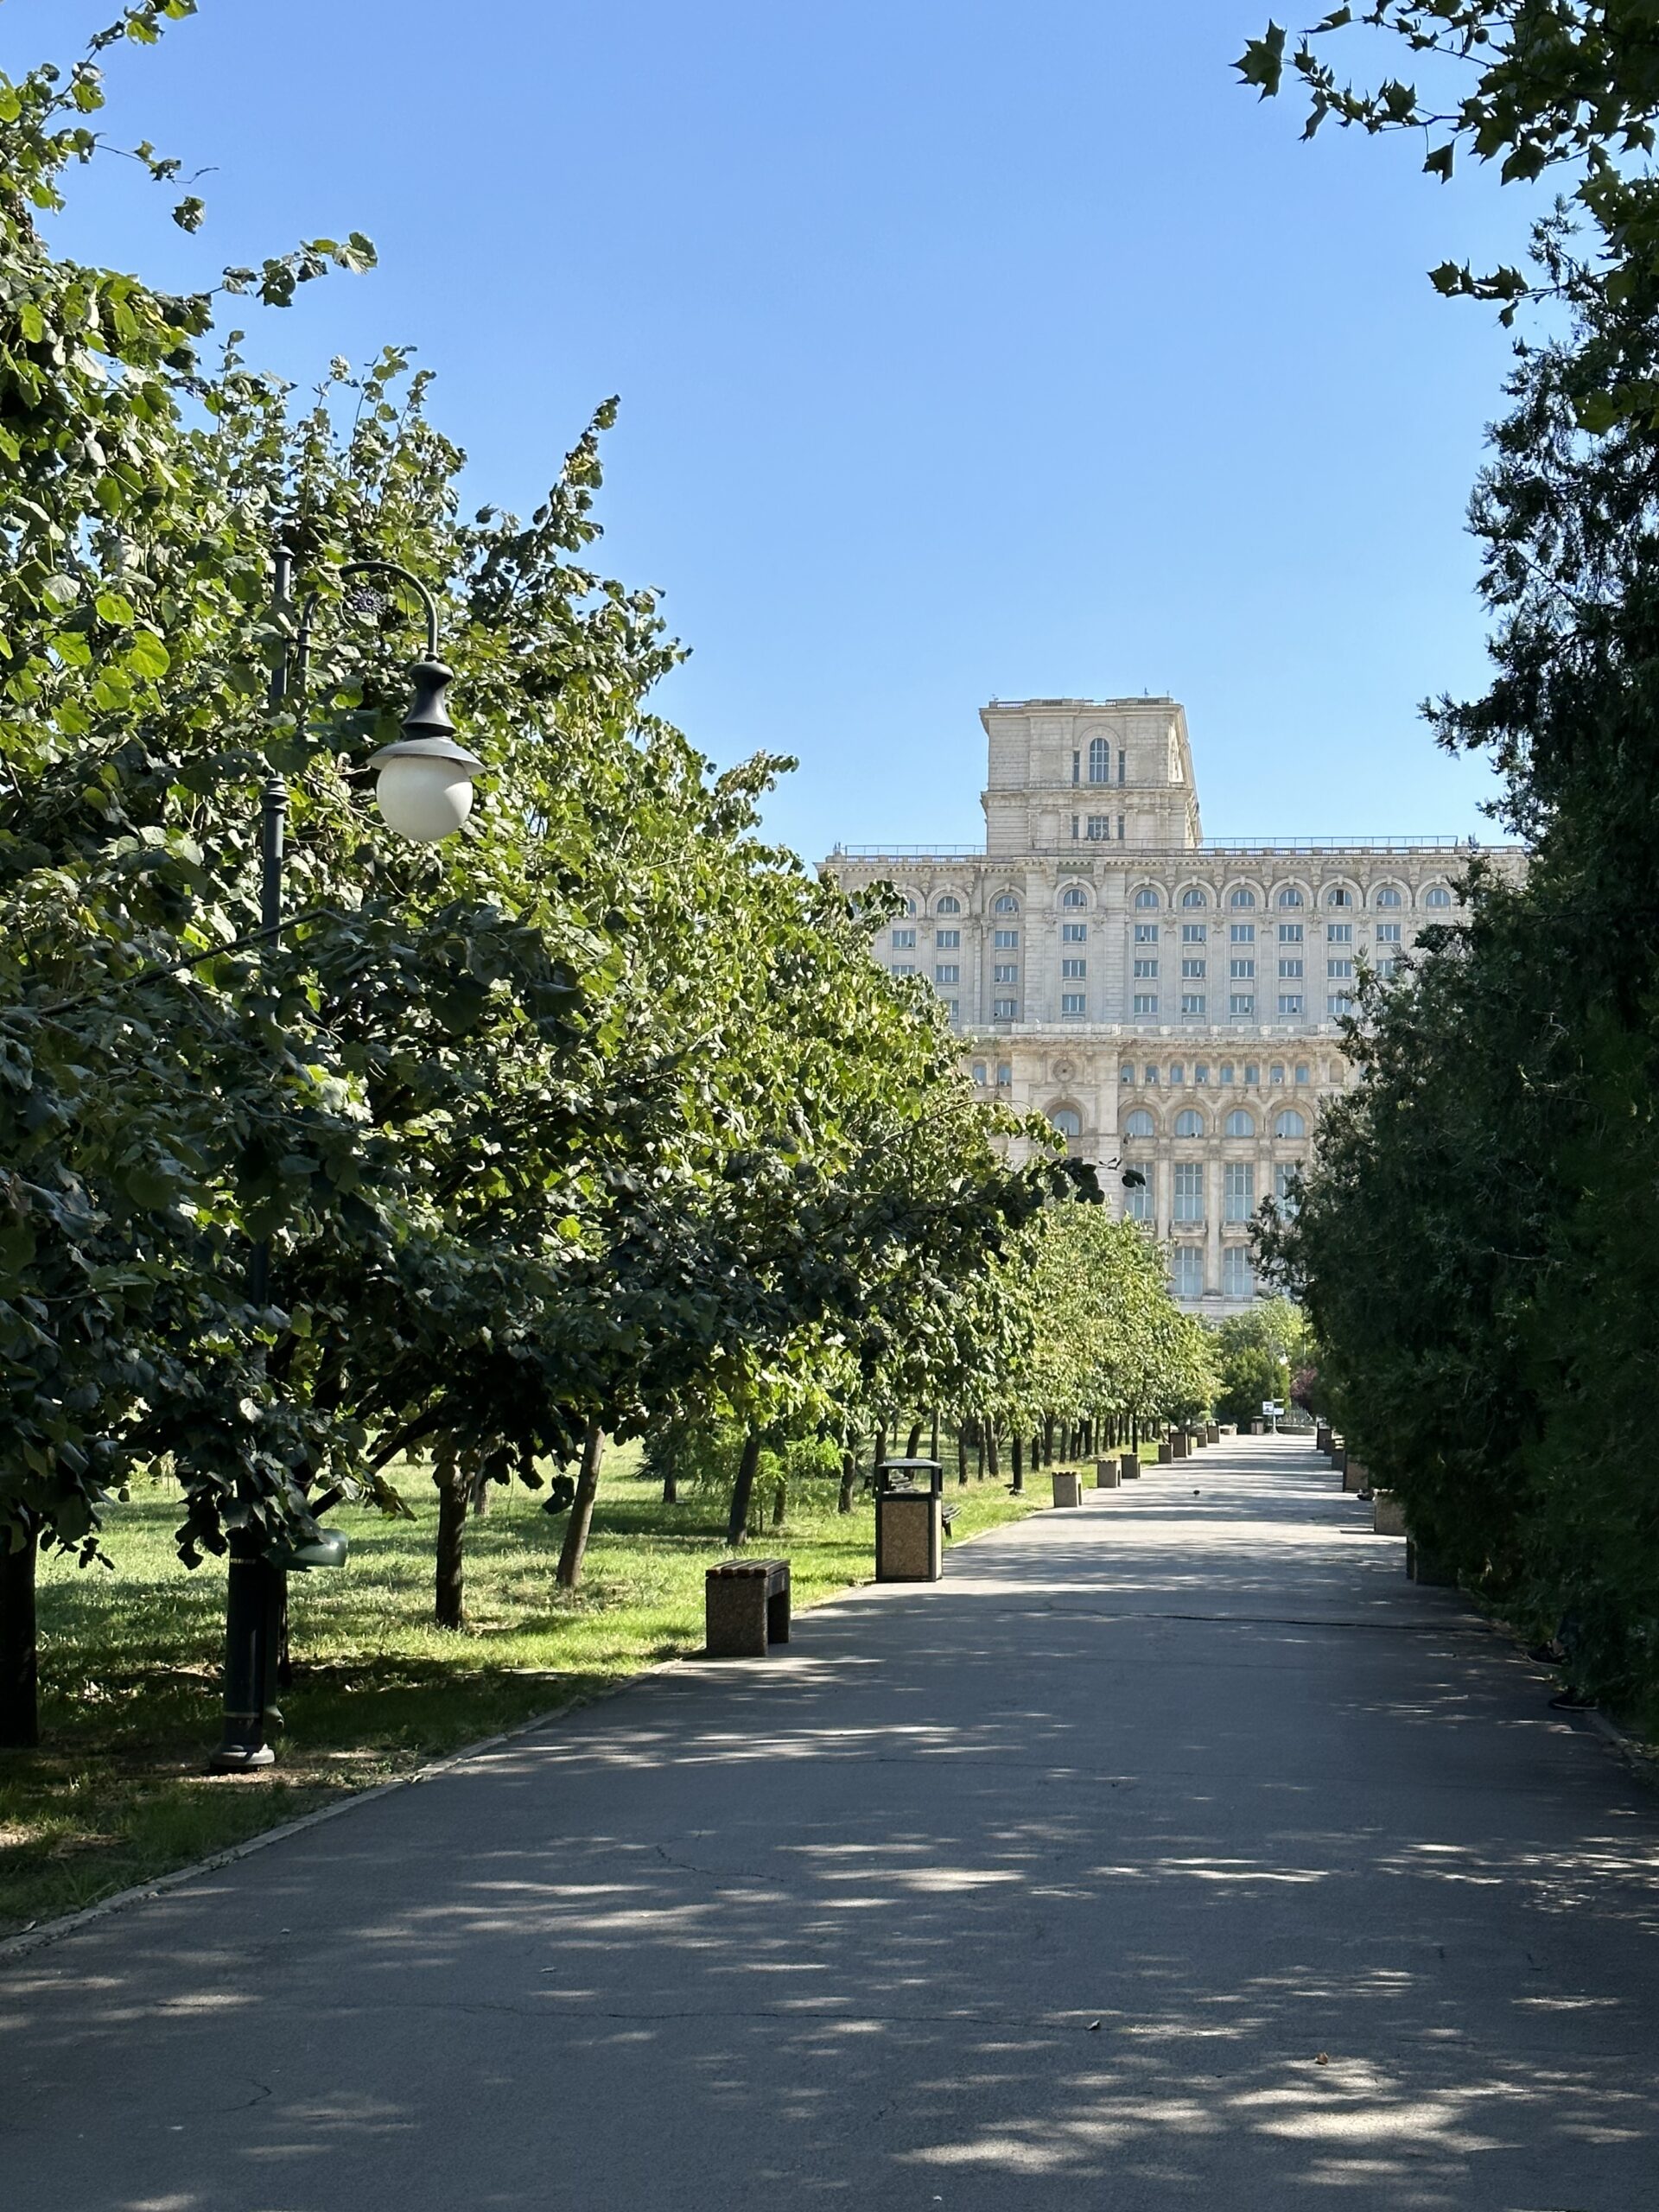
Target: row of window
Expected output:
[1289,1005]
[1075,898]
[1186,1271]
[1187,1207]
[1189,1122]
[1225,1074]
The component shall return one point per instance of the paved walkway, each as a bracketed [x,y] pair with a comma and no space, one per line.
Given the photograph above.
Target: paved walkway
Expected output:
[1044,1888]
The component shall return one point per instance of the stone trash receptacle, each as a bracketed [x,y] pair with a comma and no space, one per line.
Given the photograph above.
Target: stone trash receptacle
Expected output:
[1177,1444]
[1339,1458]
[1322,1437]
[1422,1567]
[1107,1475]
[1212,1434]
[1356,1476]
[1388,1515]
[909,1520]
[1129,1467]
[1165,1453]
[1258,1428]
[1068,1486]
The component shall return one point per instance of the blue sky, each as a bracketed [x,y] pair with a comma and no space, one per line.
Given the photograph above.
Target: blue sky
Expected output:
[963,350]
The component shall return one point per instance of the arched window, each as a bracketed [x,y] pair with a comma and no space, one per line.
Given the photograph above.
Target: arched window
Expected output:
[1126,1075]
[1195,897]
[1241,1124]
[1146,896]
[1437,895]
[911,906]
[1004,1076]
[1290,1124]
[1005,903]
[1073,898]
[1290,896]
[1189,1124]
[979,1071]
[1140,1124]
[1338,895]
[949,905]
[1388,896]
[1242,897]
[1066,1120]
[1100,761]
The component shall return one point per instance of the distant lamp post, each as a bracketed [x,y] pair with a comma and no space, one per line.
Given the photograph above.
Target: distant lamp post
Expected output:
[424,787]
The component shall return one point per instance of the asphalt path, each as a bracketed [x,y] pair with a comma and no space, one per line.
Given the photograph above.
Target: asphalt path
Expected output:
[1173,1851]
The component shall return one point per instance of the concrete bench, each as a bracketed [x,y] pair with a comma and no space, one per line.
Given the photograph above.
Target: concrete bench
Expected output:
[947,1515]
[746,1607]
[1068,1486]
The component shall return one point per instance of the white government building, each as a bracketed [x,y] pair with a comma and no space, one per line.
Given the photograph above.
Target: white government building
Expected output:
[1172,1006]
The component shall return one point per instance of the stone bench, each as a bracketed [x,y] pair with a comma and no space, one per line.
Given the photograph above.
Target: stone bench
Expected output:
[1356,1475]
[746,1607]
[1388,1515]
[1068,1486]
[947,1515]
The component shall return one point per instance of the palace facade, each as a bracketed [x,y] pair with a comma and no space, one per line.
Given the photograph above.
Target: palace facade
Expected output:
[1173,1007]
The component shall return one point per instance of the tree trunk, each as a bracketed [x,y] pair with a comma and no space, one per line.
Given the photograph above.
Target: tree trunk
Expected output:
[1017,1461]
[581,1509]
[480,1497]
[1048,1439]
[738,1520]
[913,1450]
[670,1487]
[780,1504]
[848,1477]
[1036,1455]
[979,1451]
[962,1460]
[20,1715]
[987,1430]
[933,1449]
[451,1577]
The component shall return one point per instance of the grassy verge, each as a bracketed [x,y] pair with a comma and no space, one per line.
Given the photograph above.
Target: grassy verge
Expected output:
[130,1666]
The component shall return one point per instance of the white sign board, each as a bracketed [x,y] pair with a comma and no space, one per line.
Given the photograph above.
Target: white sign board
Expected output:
[1271,1406]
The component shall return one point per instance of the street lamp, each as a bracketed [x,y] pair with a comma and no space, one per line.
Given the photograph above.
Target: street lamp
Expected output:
[424,787]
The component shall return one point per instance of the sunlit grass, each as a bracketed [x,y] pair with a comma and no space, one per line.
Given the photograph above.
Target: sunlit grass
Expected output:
[131,1664]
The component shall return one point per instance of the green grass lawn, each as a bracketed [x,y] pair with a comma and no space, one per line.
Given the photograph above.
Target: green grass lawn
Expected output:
[131,1664]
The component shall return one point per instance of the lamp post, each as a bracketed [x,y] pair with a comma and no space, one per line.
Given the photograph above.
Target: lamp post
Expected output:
[424,791]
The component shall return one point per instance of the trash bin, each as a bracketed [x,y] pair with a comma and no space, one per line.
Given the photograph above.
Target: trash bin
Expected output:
[1068,1486]
[1212,1434]
[909,1522]
[1107,1474]
[1129,1467]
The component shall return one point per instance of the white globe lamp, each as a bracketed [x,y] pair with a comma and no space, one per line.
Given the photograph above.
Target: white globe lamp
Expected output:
[425,782]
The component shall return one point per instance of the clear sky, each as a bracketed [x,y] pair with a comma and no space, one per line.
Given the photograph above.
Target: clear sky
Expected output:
[964,350]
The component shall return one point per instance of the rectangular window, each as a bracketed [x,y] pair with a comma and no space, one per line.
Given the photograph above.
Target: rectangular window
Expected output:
[1074,829]
[1281,1187]
[1003,1009]
[1194,1002]
[1339,1002]
[1145,932]
[1177,1071]
[1338,933]
[1388,933]
[1099,827]
[1290,932]
[902,967]
[1386,969]
[903,939]
[1145,1003]
[1122,766]
[1138,1203]
[946,940]
[1195,933]
[1145,968]
[1073,971]
[1073,1005]
[1242,1002]
[1277,1073]
[1243,933]
[1005,940]
[1193,968]
[1304,1073]
[1201,1073]
[1339,971]
[1186,1271]
[1252,1075]
[1289,968]
[1189,1190]
[1241,971]
[1150,1078]
[1074,932]
[1238,1276]
[953,1009]
[1077,768]
[1238,1190]
[1290,1002]
[947,971]
[1005,971]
